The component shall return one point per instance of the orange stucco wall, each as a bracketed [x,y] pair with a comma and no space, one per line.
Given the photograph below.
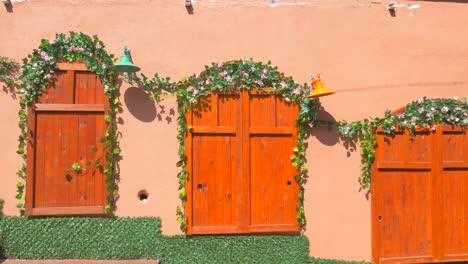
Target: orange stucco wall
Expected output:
[373,60]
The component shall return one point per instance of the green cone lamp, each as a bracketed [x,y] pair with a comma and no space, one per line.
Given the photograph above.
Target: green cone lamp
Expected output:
[125,63]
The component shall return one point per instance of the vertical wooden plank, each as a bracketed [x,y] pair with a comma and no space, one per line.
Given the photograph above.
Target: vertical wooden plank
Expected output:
[30,158]
[189,188]
[376,202]
[39,163]
[454,194]
[436,173]
[244,204]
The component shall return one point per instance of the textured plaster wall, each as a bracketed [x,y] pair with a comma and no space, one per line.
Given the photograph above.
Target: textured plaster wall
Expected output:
[373,60]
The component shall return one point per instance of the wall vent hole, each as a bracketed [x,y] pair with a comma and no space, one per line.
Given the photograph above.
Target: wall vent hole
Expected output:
[143,196]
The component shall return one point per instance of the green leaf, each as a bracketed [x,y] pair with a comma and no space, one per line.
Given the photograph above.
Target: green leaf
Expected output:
[76,167]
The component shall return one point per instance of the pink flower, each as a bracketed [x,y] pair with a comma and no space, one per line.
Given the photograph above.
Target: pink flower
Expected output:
[420,110]
[252,69]
[284,85]
[197,75]
[263,76]
[264,71]
[223,73]
[195,92]
[190,88]
[434,127]
[297,91]
[53,41]
[208,81]
[311,124]
[229,79]
[287,99]
[192,100]
[104,65]
[80,49]
[392,128]
[220,65]
[456,98]
[259,83]
[421,100]
[98,46]
[48,76]
[445,109]
[401,116]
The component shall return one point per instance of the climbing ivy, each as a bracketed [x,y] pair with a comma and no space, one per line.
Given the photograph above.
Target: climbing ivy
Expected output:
[423,113]
[8,71]
[37,72]
[229,77]
[1,207]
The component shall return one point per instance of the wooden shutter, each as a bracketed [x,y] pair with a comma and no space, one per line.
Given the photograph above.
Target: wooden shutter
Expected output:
[241,178]
[66,126]
[419,197]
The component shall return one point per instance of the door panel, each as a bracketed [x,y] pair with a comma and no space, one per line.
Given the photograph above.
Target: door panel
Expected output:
[420,197]
[67,125]
[239,147]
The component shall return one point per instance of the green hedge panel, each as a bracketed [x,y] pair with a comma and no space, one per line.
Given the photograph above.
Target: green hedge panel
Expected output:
[139,238]
[78,238]
[235,249]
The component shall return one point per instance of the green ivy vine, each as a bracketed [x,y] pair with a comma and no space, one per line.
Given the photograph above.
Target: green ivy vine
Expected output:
[8,71]
[423,113]
[37,72]
[229,77]
[1,207]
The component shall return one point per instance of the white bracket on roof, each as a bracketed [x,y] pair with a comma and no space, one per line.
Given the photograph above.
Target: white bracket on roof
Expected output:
[411,8]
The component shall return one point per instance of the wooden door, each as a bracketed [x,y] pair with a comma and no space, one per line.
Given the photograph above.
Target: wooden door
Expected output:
[241,178]
[67,125]
[419,197]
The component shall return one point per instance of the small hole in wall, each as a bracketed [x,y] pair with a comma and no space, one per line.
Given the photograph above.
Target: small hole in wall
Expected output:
[143,196]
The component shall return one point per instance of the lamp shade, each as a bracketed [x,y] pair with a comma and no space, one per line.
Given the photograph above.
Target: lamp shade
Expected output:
[318,89]
[125,63]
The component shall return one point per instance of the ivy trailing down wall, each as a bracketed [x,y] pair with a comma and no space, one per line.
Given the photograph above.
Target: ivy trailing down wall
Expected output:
[423,113]
[8,71]
[37,72]
[229,77]
[1,207]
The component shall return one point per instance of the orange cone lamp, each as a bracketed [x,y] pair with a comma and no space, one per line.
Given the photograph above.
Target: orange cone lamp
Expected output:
[318,90]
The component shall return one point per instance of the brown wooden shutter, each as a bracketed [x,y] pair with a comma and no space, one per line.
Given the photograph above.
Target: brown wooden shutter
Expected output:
[66,126]
[420,197]
[241,178]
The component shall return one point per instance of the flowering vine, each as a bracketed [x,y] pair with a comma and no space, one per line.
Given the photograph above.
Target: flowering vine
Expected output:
[229,77]
[36,74]
[423,113]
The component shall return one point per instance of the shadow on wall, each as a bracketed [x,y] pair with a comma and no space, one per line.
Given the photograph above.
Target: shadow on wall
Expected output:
[140,105]
[327,135]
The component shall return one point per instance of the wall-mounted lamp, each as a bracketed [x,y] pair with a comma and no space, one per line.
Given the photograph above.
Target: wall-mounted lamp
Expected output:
[318,89]
[6,2]
[125,63]
[188,3]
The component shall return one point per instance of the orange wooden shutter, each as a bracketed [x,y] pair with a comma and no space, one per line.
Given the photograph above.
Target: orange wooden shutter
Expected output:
[67,124]
[420,198]
[241,178]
